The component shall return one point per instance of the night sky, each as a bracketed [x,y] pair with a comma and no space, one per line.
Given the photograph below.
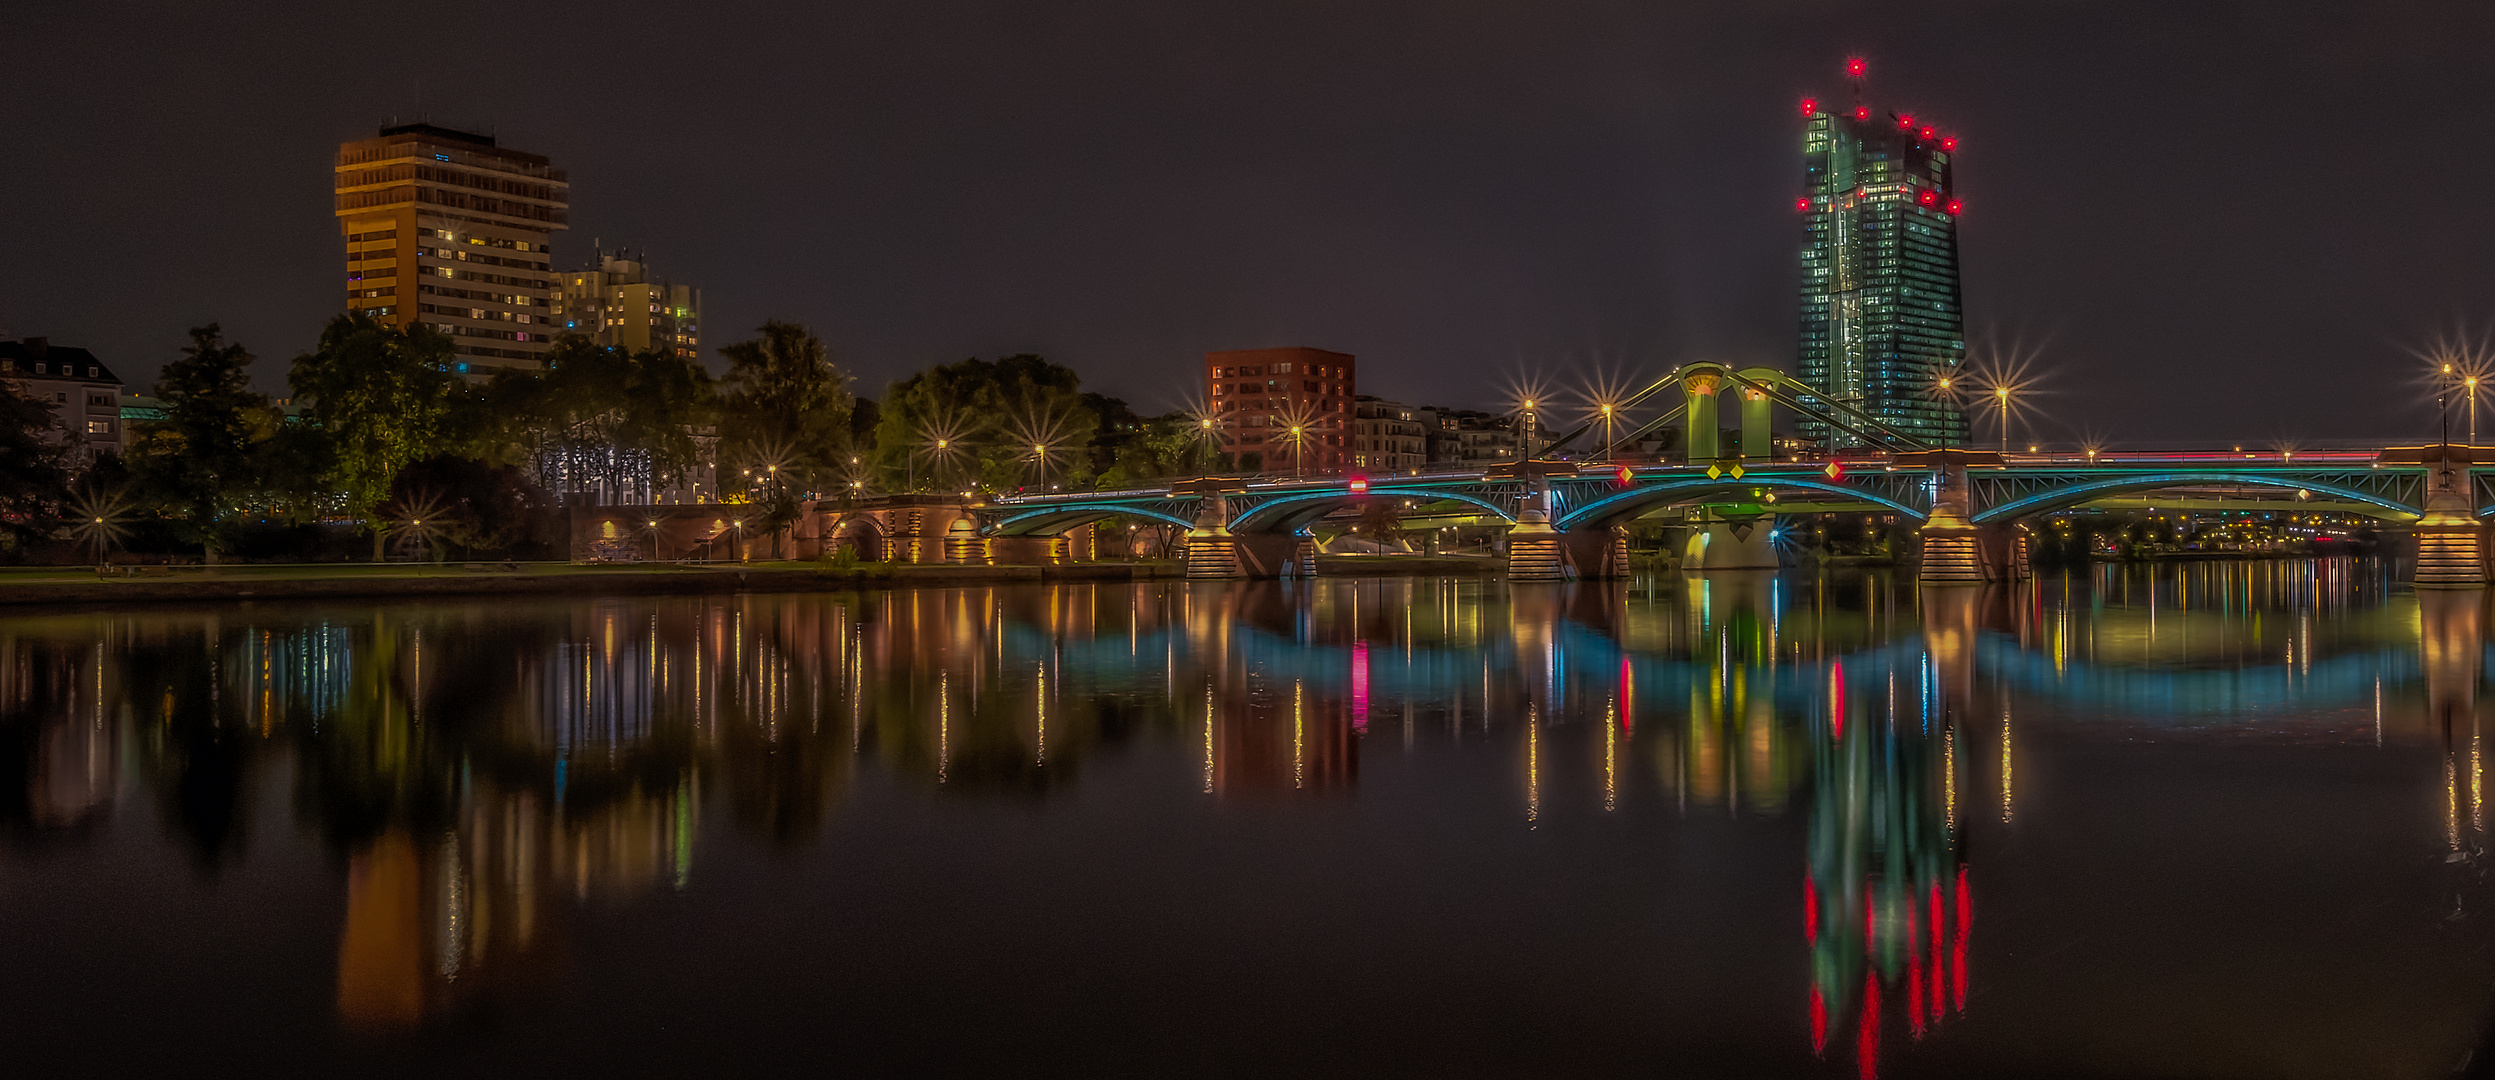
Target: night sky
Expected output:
[2232,222]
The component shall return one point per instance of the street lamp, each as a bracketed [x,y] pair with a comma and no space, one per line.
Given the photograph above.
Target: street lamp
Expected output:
[1299,436]
[1608,438]
[2002,393]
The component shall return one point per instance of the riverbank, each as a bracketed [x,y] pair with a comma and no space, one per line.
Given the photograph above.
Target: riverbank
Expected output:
[332,581]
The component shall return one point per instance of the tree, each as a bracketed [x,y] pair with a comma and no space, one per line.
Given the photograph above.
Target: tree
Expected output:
[469,504]
[602,415]
[1015,422]
[784,403]
[199,463]
[384,396]
[34,469]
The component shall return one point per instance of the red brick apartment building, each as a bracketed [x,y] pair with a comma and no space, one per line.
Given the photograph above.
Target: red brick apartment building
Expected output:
[1259,396]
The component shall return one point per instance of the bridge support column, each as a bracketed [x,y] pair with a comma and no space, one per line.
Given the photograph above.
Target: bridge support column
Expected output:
[963,544]
[1955,550]
[1303,555]
[2451,544]
[1533,549]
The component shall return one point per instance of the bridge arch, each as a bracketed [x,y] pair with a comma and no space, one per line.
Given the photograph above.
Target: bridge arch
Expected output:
[1288,513]
[1053,520]
[2046,502]
[1639,499]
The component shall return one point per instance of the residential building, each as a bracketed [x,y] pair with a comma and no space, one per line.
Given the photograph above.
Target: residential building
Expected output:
[1473,439]
[1388,437]
[445,228]
[1881,325]
[1283,410]
[617,304]
[84,394]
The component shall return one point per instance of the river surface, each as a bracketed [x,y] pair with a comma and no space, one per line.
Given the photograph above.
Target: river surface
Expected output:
[2219,819]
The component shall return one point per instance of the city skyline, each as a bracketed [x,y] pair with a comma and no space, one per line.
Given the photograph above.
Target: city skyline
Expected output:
[1604,194]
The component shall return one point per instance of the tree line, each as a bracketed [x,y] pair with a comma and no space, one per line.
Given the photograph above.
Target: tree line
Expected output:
[384,436]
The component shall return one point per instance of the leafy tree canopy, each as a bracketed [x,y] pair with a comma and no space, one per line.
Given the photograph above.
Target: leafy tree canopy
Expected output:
[384,396]
[785,403]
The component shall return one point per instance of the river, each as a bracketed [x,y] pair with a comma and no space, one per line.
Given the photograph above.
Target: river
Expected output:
[2208,819]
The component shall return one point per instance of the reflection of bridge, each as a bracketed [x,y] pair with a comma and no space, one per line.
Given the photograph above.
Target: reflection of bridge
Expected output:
[1567,519]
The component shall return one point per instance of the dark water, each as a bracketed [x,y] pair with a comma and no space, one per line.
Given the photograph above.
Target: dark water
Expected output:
[2215,820]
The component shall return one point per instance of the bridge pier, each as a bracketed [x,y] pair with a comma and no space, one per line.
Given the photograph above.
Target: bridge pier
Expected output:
[1957,551]
[2451,543]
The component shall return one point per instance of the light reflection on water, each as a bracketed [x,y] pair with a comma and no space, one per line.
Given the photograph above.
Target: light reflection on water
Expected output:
[486,779]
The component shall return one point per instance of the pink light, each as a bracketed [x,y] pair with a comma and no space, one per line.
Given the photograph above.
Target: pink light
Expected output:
[1905,122]
[1927,198]
[1810,910]
[1955,206]
[1867,1039]
[1802,206]
[1854,67]
[1862,112]
[1360,686]
[1809,106]
[1819,1020]
[1926,133]
[1950,143]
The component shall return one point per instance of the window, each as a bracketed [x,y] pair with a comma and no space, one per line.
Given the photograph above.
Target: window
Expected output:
[99,427]
[42,368]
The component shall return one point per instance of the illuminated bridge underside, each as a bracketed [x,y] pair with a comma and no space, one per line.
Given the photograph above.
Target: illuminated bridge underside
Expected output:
[2008,495]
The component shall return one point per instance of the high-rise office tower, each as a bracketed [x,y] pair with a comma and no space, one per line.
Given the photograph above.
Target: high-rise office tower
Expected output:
[1882,330]
[445,228]
[618,304]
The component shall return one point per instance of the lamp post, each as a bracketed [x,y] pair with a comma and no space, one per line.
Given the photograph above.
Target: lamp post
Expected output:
[1299,436]
[1212,442]
[2471,385]
[1609,440]
[2002,393]
[1527,454]
[2442,406]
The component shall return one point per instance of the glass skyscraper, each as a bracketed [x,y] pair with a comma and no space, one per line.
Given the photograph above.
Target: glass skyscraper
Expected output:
[1881,325]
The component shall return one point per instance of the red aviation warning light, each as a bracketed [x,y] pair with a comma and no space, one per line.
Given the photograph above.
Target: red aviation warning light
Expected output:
[1955,206]
[1949,143]
[1927,132]
[1905,123]
[1862,112]
[1359,485]
[1802,205]
[1853,67]
[1926,198]
[1809,106]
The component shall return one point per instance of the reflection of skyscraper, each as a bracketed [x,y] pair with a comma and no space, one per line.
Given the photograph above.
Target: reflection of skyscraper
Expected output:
[1886,899]
[1881,323]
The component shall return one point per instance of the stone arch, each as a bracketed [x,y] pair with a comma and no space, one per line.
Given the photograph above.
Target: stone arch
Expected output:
[861,533]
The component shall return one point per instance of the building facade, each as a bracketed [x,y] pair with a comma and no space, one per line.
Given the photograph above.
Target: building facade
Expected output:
[84,394]
[1285,411]
[1390,437]
[445,228]
[1881,324]
[617,304]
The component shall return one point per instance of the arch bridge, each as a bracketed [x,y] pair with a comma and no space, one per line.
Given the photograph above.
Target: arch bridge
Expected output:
[1565,512]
